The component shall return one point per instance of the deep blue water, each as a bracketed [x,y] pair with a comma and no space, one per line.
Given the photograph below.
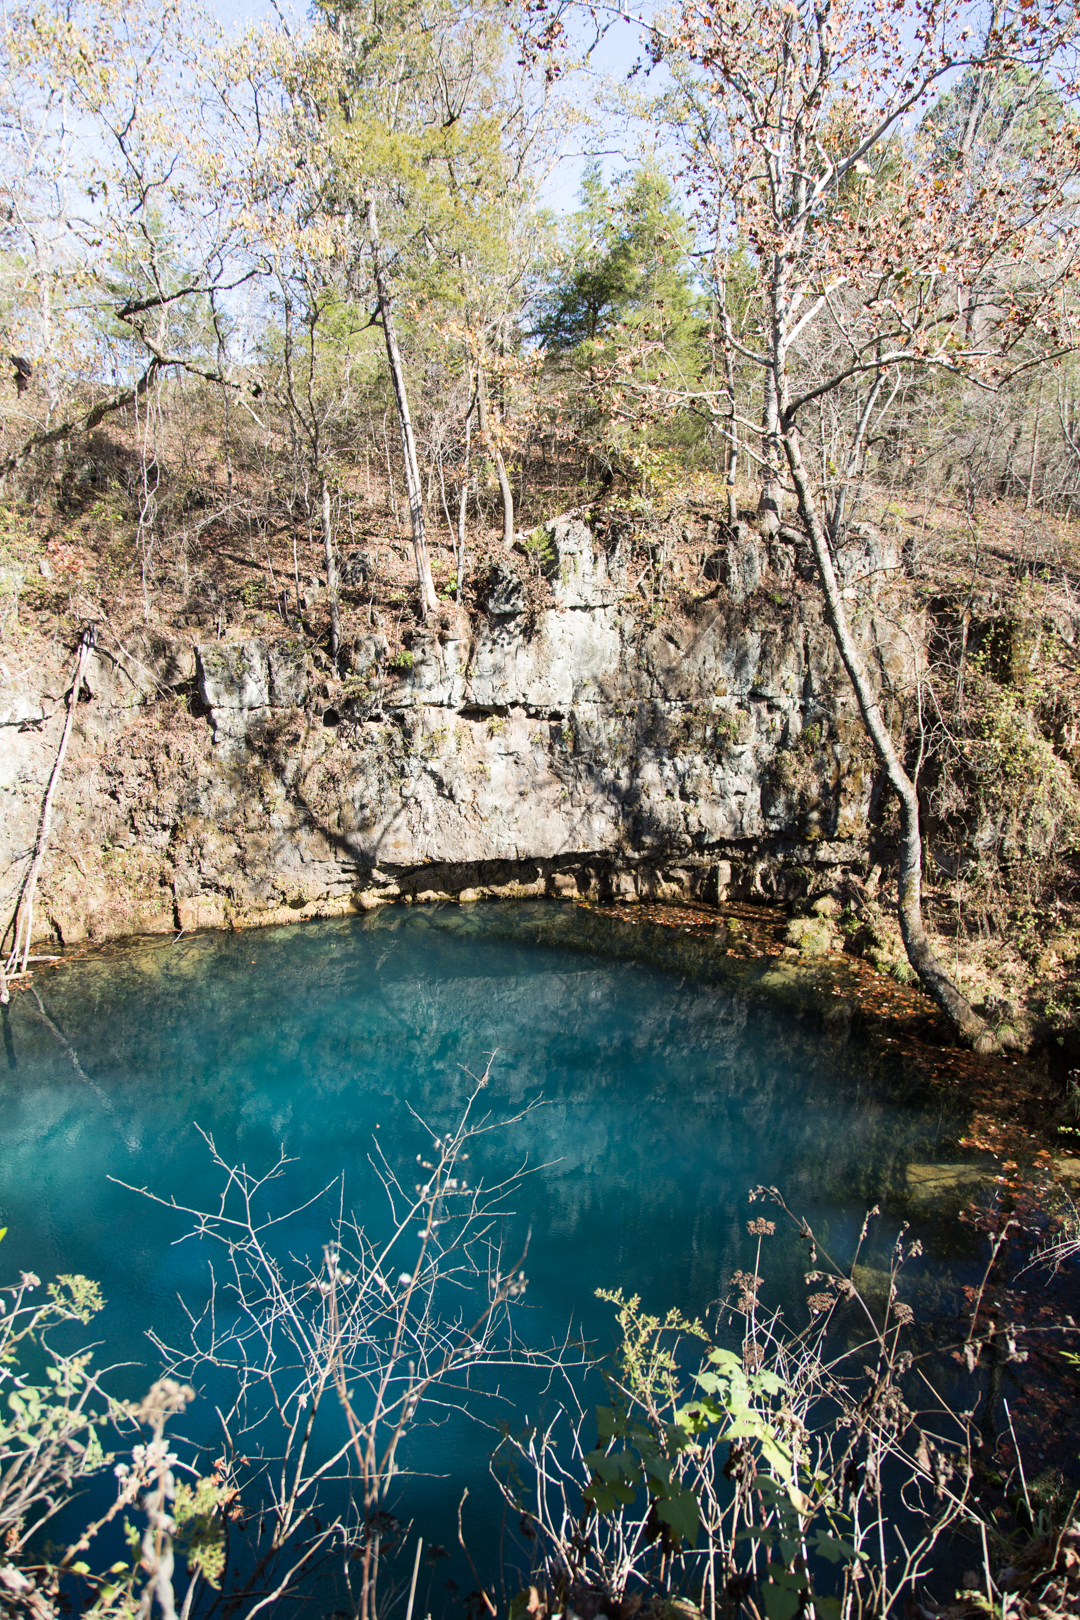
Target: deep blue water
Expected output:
[667,1094]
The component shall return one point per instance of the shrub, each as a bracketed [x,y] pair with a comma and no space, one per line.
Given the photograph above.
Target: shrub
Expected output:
[753,1484]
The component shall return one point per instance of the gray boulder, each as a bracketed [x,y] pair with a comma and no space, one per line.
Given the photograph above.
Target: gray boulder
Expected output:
[233,674]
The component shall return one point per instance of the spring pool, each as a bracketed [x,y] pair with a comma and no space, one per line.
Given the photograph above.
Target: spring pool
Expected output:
[667,1092]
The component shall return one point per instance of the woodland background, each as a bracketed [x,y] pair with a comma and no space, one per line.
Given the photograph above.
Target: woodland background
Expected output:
[296,347]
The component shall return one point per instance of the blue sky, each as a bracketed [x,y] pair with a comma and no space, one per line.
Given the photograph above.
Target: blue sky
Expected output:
[616,55]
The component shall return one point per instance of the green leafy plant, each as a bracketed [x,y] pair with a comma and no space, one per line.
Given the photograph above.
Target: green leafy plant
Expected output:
[636,1446]
[748,1478]
[51,1432]
[540,549]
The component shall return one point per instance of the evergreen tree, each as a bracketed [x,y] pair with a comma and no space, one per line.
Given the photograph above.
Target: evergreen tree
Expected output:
[621,313]
[625,266]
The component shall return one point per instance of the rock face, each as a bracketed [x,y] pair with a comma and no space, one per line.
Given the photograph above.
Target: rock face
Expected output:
[569,750]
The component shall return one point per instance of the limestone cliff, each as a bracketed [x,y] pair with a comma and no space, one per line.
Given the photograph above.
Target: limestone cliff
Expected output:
[575,746]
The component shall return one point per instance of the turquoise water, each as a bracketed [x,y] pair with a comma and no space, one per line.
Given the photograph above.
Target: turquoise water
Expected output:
[667,1092]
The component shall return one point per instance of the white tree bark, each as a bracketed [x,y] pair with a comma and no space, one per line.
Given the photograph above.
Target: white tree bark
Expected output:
[933,977]
[331,571]
[429,602]
[496,455]
[24,915]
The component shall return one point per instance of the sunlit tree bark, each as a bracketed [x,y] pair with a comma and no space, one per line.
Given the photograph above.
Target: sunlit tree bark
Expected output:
[429,602]
[794,130]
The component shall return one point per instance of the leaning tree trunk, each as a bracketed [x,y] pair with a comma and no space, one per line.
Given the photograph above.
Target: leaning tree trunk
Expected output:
[933,977]
[24,914]
[429,602]
[496,455]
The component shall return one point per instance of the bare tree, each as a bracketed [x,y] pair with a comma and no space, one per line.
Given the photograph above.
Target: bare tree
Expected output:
[793,128]
[119,208]
[429,602]
[373,1326]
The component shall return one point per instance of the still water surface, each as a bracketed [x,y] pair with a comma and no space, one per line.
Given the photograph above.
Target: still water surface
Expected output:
[668,1093]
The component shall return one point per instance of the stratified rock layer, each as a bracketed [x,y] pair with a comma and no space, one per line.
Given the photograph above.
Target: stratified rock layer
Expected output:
[571,750]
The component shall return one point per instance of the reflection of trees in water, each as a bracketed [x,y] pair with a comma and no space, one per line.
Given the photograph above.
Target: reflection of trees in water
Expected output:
[668,1095]
[636,1067]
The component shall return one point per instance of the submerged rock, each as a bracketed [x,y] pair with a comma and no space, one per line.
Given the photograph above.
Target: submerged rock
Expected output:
[941,1183]
[812,936]
[1068,1171]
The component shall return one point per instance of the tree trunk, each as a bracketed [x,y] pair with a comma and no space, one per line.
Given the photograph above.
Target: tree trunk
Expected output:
[971,1028]
[1034,451]
[24,914]
[331,572]
[429,602]
[389,469]
[771,502]
[463,498]
[496,455]
[732,457]
[732,449]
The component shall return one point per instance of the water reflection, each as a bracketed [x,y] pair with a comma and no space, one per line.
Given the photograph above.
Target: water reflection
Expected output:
[668,1090]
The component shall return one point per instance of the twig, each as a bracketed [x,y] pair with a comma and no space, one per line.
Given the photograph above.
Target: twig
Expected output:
[415,1573]
[986,1566]
[998,1241]
[468,1555]
[1020,1463]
